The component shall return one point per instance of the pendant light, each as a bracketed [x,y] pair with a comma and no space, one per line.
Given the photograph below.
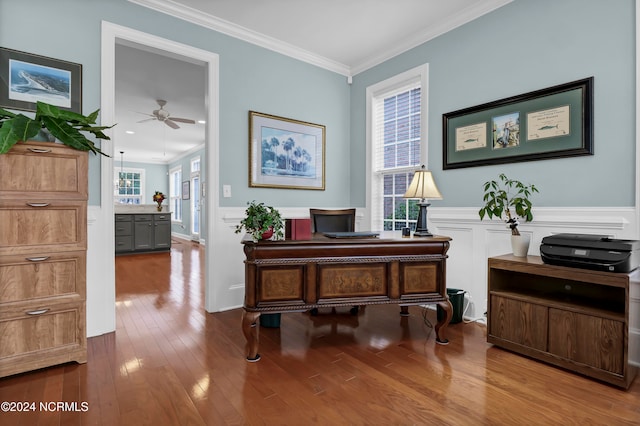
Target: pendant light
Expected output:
[121,180]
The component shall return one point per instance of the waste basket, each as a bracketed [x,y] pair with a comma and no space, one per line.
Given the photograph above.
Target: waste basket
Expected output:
[456,297]
[270,320]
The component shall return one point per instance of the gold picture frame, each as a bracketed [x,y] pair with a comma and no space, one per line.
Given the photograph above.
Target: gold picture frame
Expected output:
[285,153]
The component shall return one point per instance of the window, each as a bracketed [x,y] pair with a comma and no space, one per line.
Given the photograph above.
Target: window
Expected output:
[128,185]
[396,143]
[175,193]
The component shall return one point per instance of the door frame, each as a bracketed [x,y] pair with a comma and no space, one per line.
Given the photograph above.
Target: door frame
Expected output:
[113,34]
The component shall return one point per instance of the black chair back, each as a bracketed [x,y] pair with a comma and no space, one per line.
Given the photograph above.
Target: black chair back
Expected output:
[343,220]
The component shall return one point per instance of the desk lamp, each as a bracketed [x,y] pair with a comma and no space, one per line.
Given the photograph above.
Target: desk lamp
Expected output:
[423,187]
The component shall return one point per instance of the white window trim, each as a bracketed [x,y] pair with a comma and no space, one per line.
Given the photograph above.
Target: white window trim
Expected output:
[116,175]
[178,194]
[417,74]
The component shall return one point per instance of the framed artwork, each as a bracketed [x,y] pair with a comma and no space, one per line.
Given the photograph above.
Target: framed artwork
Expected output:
[26,79]
[549,123]
[285,153]
[186,190]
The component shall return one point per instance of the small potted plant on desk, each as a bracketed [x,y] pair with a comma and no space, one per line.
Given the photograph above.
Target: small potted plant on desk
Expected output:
[262,222]
[499,197]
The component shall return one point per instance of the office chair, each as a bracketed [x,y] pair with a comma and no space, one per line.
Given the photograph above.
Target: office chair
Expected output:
[341,220]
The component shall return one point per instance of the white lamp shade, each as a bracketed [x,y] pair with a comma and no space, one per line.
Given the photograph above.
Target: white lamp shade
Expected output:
[423,186]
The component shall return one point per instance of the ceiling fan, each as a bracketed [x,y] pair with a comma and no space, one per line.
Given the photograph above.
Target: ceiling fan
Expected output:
[163,115]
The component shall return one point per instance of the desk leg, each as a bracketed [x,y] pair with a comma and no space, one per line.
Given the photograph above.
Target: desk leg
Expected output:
[251,330]
[441,326]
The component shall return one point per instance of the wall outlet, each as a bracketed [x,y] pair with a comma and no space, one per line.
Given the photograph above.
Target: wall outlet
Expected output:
[226,191]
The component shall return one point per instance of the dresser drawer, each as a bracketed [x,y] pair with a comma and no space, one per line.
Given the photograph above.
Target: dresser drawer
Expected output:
[40,332]
[24,279]
[43,170]
[42,226]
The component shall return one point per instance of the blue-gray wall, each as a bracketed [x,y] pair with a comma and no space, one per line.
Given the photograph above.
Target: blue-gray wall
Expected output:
[251,78]
[525,46]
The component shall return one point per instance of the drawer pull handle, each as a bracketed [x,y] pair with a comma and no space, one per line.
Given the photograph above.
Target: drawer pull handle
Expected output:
[38,204]
[37,259]
[38,311]
[39,150]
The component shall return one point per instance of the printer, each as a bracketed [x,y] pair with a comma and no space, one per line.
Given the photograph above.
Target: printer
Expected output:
[599,252]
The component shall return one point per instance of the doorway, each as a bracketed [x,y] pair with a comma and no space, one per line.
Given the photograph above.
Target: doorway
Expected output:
[114,34]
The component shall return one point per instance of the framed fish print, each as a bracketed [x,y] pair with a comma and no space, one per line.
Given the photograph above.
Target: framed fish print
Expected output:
[26,78]
[550,123]
[285,153]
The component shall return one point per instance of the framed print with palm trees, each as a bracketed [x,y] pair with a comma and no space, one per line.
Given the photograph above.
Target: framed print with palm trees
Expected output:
[285,153]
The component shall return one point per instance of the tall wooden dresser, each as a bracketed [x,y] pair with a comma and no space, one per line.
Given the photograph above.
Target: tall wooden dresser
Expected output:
[43,243]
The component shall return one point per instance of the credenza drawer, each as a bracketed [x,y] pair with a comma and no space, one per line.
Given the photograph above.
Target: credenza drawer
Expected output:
[42,226]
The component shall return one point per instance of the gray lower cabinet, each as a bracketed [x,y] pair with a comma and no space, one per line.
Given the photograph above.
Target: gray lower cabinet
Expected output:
[142,232]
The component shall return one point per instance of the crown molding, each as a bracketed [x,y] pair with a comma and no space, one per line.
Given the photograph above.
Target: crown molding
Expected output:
[197,17]
[466,16]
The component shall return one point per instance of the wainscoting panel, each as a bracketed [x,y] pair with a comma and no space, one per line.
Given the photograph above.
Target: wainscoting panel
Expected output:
[474,241]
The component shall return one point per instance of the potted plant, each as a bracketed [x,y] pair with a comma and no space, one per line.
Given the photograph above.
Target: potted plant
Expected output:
[502,196]
[66,126]
[262,222]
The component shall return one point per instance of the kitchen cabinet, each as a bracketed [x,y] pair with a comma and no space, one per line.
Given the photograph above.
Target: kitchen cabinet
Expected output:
[142,232]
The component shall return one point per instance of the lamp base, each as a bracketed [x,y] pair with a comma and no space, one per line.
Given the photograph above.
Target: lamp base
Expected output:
[424,233]
[421,224]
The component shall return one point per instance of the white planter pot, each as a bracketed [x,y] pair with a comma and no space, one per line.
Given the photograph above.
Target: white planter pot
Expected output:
[520,245]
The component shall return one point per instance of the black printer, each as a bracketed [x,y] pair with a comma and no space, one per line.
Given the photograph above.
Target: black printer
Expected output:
[599,252]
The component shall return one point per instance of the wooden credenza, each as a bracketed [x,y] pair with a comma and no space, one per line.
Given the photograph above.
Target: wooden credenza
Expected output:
[299,275]
[573,318]
[43,241]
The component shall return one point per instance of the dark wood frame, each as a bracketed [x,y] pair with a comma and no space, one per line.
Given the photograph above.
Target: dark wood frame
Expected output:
[281,125]
[75,83]
[575,99]
[186,190]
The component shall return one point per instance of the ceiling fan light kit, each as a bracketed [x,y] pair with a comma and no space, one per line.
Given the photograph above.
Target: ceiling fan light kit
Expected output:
[164,116]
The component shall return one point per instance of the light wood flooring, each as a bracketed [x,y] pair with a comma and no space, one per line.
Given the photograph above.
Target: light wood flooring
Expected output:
[171,363]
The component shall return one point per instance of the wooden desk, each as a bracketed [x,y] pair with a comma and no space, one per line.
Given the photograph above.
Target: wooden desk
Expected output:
[286,276]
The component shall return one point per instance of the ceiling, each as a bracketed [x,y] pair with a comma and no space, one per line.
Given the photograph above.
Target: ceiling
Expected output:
[346,37]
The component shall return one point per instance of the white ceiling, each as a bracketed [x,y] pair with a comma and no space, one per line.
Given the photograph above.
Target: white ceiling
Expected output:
[344,36]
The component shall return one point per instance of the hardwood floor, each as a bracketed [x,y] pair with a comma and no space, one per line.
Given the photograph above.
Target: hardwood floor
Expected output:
[171,363]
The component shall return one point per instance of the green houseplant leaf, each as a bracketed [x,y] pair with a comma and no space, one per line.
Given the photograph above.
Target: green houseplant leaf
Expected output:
[259,218]
[66,126]
[503,195]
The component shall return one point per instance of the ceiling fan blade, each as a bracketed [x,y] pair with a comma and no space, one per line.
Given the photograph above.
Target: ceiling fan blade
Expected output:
[171,124]
[146,119]
[183,120]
